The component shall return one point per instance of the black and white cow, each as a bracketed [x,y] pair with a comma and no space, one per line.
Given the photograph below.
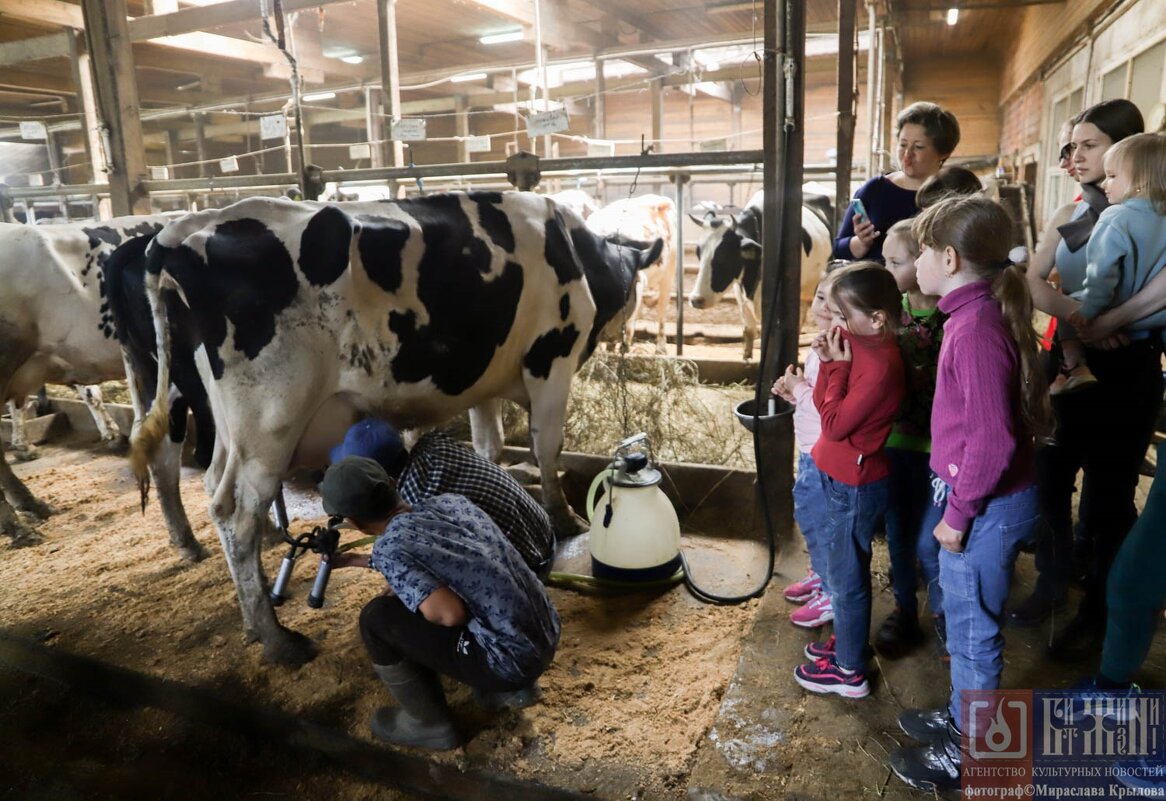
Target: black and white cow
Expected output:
[412,311]
[55,327]
[730,255]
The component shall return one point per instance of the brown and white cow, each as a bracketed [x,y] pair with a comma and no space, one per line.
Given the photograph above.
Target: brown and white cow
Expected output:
[730,255]
[55,327]
[644,218]
[412,311]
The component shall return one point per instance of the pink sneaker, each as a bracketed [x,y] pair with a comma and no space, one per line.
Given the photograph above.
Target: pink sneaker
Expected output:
[820,649]
[818,611]
[803,590]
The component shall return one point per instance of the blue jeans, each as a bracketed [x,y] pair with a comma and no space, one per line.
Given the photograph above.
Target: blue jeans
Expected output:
[853,514]
[810,513]
[912,514]
[975,587]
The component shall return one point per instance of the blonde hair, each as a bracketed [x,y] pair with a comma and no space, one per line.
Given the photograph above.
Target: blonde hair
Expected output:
[1143,158]
[903,230]
[980,231]
[868,287]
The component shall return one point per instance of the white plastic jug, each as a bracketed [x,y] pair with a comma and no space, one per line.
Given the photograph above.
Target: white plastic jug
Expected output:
[636,535]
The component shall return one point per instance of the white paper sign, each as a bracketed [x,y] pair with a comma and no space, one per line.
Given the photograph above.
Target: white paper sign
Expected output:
[33,130]
[714,145]
[547,122]
[358,152]
[478,144]
[273,126]
[229,164]
[36,179]
[410,130]
[159,173]
[599,148]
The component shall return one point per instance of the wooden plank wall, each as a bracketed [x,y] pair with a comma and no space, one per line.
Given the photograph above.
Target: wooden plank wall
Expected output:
[970,89]
[1041,31]
[1021,119]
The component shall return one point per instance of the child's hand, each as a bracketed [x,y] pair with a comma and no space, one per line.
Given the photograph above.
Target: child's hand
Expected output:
[820,348]
[779,388]
[1078,320]
[835,345]
[794,378]
[949,539]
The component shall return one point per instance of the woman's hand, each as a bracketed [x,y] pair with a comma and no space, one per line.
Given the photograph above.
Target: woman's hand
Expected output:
[349,559]
[949,539]
[864,236]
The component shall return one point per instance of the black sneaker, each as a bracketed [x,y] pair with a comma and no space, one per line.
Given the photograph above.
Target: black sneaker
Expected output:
[898,634]
[1035,609]
[925,725]
[1078,641]
[933,767]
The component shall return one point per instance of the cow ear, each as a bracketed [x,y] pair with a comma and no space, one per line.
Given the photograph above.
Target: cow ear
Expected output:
[750,250]
[709,220]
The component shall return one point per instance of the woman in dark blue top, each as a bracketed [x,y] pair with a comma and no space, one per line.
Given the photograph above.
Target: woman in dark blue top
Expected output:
[927,135]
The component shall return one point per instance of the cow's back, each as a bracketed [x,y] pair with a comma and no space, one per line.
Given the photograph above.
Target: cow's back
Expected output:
[426,306]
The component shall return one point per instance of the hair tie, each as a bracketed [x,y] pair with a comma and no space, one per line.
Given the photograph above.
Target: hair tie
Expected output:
[1018,255]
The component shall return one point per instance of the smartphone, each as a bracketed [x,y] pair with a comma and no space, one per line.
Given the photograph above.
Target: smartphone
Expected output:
[859,209]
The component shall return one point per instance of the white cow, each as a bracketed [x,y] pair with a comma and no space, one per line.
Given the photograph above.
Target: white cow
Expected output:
[730,255]
[577,200]
[56,328]
[412,311]
[643,219]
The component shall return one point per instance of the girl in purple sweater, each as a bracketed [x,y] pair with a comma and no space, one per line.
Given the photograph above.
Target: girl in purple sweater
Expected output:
[991,403]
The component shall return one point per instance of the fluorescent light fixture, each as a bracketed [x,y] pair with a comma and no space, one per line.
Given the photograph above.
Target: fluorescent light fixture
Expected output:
[465,77]
[352,59]
[501,38]
[318,96]
[953,16]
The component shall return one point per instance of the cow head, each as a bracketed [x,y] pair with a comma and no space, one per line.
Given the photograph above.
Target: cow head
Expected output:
[727,251]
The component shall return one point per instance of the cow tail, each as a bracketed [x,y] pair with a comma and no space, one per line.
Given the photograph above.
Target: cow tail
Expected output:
[156,424]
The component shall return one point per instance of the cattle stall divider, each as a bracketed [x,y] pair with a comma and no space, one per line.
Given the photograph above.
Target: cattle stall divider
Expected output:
[680,169]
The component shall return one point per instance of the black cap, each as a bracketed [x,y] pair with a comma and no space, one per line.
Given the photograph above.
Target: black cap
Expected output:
[359,488]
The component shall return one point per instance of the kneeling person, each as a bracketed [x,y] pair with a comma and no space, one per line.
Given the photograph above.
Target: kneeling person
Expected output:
[437,464]
[461,601]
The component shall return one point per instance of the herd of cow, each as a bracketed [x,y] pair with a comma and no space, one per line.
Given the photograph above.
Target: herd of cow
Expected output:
[279,323]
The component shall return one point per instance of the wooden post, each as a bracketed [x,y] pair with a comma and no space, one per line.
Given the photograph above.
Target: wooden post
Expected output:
[108,38]
[657,136]
[374,127]
[83,78]
[462,123]
[847,9]
[390,69]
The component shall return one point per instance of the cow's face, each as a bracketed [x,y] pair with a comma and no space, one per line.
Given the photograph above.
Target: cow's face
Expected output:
[610,265]
[725,253]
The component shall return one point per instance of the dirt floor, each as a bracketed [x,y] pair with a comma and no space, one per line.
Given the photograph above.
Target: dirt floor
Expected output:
[651,696]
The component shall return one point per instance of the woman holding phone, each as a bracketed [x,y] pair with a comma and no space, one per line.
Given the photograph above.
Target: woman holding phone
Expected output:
[927,135]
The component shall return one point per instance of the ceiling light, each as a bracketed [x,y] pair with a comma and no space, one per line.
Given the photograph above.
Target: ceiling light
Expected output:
[501,38]
[318,96]
[468,76]
[352,59]
[953,16]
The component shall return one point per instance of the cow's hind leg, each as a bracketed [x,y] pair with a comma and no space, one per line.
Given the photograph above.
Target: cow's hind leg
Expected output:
[19,446]
[166,470]
[13,493]
[239,508]
[106,426]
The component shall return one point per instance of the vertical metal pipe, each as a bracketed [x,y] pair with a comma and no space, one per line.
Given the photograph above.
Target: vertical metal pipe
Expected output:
[390,69]
[871,50]
[680,179]
[847,10]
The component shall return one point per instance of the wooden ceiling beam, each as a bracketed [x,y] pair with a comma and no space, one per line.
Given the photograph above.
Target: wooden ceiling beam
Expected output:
[54,45]
[190,20]
[46,12]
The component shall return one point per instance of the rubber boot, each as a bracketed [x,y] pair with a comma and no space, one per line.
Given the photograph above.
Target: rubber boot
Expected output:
[421,717]
[508,700]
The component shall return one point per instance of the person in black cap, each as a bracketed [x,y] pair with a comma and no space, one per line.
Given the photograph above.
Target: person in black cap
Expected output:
[461,601]
[437,464]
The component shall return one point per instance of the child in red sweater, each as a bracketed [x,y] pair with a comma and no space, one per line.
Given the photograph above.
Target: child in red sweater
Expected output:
[859,391]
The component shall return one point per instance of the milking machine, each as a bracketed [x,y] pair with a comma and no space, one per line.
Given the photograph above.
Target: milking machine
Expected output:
[323,540]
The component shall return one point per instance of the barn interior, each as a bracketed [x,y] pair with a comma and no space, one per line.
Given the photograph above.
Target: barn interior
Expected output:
[113,107]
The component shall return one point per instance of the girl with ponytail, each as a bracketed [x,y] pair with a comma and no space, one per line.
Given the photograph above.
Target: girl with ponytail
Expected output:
[991,406]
